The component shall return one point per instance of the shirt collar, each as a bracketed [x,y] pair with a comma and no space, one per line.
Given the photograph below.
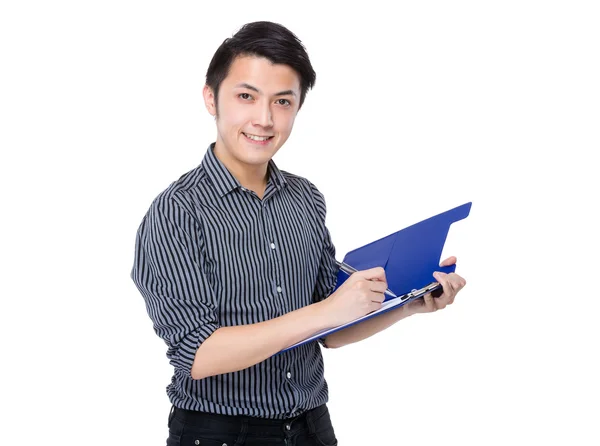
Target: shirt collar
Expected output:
[225,182]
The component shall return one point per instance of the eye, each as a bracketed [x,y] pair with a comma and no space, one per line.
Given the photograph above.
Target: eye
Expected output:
[245,96]
[284,102]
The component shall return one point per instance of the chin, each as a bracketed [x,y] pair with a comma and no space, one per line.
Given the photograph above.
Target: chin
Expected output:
[255,159]
[256,154]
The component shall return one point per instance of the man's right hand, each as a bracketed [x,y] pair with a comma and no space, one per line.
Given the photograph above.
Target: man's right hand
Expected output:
[361,294]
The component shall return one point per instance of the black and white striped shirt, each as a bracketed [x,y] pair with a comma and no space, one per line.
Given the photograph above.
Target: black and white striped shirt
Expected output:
[209,253]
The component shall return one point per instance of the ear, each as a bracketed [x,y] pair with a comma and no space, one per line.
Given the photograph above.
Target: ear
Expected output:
[209,100]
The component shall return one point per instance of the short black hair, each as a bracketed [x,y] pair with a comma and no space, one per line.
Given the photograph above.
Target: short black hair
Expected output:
[263,39]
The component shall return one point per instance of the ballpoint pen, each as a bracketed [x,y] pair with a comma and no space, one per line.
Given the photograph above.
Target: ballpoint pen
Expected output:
[350,269]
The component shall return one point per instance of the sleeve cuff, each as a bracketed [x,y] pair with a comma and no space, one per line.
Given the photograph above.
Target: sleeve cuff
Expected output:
[186,353]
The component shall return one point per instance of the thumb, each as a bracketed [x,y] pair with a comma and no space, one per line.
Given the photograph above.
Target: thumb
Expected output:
[449,261]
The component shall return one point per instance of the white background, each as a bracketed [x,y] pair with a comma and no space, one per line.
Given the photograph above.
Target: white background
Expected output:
[416,109]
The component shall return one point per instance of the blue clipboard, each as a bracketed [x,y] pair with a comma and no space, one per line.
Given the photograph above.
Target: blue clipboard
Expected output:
[409,258]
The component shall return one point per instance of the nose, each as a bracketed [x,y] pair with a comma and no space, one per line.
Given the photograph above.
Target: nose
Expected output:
[263,116]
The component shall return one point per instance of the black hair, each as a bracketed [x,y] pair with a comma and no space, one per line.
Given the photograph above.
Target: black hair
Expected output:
[263,39]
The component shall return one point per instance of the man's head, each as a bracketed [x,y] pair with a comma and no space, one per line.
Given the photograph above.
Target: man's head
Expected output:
[269,40]
[255,85]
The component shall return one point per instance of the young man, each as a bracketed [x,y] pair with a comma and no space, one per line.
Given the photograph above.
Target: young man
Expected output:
[235,263]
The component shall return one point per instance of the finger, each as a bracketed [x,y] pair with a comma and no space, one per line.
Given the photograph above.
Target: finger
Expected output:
[443,280]
[378,297]
[453,299]
[429,302]
[377,286]
[377,291]
[460,281]
[374,306]
[377,273]
[457,282]
[449,261]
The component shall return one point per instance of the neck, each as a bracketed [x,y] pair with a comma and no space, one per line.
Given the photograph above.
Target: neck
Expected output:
[253,177]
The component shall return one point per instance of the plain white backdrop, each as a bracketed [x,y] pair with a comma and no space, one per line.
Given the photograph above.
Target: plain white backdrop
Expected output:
[418,107]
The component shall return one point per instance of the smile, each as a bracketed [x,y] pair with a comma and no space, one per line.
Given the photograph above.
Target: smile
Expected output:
[256,137]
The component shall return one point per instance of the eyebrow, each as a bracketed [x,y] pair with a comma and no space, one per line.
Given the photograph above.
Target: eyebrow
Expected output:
[250,87]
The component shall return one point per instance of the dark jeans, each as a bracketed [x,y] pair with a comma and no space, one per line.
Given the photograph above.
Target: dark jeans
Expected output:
[191,428]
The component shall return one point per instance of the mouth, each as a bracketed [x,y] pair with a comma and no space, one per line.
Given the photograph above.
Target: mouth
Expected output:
[257,139]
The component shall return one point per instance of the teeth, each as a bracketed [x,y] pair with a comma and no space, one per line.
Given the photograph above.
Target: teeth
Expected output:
[257,138]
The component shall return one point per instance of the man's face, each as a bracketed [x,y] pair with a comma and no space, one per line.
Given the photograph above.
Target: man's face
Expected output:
[257,105]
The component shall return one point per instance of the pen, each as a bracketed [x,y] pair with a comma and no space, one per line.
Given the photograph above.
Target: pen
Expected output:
[350,269]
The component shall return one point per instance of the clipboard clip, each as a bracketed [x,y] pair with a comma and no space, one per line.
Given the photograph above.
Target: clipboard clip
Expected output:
[433,286]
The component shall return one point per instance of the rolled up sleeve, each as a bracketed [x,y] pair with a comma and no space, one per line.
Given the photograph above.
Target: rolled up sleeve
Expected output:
[168,273]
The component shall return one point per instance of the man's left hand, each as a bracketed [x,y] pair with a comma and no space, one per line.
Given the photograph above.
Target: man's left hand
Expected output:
[451,284]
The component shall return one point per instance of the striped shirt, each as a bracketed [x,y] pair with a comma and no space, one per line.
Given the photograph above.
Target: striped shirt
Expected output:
[210,253]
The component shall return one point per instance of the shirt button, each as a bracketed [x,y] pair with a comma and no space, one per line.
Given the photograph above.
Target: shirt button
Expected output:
[289,375]
[288,427]
[272,245]
[279,289]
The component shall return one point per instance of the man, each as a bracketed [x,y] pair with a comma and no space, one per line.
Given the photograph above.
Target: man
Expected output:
[235,263]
